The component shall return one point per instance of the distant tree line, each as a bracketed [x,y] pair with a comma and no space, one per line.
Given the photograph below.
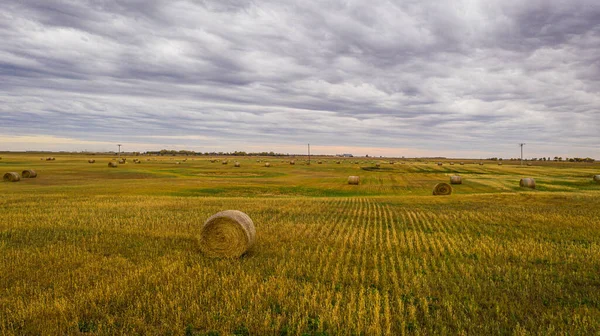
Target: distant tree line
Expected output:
[556,159]
[165,152]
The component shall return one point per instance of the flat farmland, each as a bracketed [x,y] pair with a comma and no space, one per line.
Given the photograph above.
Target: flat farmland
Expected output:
[89,249]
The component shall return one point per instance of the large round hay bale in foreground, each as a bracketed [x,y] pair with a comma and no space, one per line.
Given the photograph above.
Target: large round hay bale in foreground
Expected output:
[29,173]
[455,179]
[353,179]
[527,182]
[442,189]
[11,177]
[229,234]
[112,164]
[597,178]
[91,161]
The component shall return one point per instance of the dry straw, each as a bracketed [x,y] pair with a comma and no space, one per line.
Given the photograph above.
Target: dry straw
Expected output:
[229,234]
[527,183]
[292,162]
[29,173]
[597,178]
[224,162]
[91,161]
[353,179]
[11,177]
[267,164]
[236,164]
[455,179]
[442,189]
[112,164]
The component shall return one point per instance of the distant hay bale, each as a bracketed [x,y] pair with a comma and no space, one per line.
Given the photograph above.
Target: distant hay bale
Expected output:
[527,182]
[267,164]
[528,163]
[292,162]
[320,162]
[597,178]
[91,161]
[439,163]
[236,164]
[499,163]
[112,164]
[11,177]
[229,234]
[442,189]
[355,162]
[122,161]
[377,165]
[48,159]
[481,163]
[338,162]
[455,179]
[224,162]
[29,173]
[353,180]
[177,162]
[452,163]
[462,163]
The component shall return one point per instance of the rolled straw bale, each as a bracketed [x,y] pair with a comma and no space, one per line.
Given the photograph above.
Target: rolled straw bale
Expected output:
[528,163]
[11,177]
[499,163]
[236,164]
[527,183]
[42,159]
[353,179]
[292,162]
[481,163]
[320,162]
[338,162]
[91,161]
[177,162]
[377,165]
[48,159]
[462,163]
[121,161]
[112,164]
[452,163]
[228,233]
[455,179]
[439,163]
[597,178]
[442,189]
[224,162]
[267,164]
[29,173]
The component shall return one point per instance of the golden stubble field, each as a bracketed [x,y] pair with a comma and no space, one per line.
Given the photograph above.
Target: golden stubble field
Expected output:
[88,249]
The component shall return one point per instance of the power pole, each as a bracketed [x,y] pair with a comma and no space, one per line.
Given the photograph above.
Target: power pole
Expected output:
[521,144]
[308,153]
[119,149]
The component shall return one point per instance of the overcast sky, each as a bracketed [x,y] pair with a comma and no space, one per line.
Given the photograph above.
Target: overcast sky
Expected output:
[452,78]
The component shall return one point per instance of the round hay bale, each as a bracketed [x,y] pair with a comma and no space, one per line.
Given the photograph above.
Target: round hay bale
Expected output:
[462,163]
[91,161]
[481,163]
[48,159]
[177,162]
[236,164]
[112,164]
[452,163]
[11,177]
[338,162]
[292,162]
[267,164]
[455,179]
[439,163]
[597,178]
[353,180]
[121,161]
[320,162]
[224,162]
[442,189]
[527,182]
[377,165]
[499,163]
[228,233]
[528,163]
[29,173]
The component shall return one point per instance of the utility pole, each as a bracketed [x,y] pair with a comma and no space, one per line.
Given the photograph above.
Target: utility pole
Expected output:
[119,149]
[309,154]
[521,144]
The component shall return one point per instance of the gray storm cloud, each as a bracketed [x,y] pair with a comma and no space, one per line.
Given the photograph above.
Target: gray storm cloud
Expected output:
[445,77]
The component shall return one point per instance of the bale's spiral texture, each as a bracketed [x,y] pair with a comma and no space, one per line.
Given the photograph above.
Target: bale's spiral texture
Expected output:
[11,177]
[455,179]
[236,164]
[527,183]
[112,164]
[597,178]
[267,164]
[442,189]
[353,179]
[29,173]
[292,162]
[229,233]
[91,161]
